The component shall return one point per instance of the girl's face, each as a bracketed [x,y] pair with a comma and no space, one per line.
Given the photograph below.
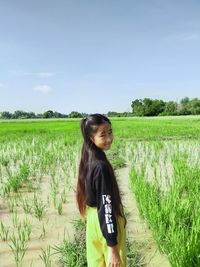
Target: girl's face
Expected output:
[103,137]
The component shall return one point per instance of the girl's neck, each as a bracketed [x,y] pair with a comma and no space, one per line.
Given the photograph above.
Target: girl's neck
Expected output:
[96,154]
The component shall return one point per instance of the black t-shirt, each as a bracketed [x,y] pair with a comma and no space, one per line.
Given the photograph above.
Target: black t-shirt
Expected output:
[99,194]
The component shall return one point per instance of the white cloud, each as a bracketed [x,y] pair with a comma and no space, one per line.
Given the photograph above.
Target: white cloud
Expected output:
[45,74]
[38,74]
[187,36]
[45,89]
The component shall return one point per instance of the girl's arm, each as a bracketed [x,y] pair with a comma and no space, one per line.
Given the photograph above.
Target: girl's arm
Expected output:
[107,220]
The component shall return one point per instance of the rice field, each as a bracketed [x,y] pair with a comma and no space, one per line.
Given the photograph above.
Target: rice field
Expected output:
[38,168]
[166,182]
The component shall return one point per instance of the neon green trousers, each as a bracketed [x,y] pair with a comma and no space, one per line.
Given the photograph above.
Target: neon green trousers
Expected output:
[98,252]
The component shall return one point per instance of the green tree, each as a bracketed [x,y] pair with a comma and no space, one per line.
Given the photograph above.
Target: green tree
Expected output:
[19,114]
[137,107]
[6,115]
[170,108]
[153,107]
[195,106]
[75,114]
[185,101]
[113,114]
[184,106]
[48,114]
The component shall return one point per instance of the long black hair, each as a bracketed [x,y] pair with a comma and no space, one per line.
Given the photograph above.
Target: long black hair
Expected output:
[90,151]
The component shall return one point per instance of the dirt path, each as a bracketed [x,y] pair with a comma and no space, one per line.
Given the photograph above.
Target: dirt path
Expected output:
[137,230]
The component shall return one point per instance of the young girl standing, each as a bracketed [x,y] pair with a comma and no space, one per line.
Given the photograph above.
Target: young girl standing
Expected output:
[98,196]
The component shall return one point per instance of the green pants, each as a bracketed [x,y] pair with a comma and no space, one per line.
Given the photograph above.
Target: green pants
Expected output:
[98,252]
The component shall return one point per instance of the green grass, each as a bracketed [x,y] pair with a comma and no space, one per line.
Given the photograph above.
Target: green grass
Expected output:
[145,128]
[172,211]
[164,153]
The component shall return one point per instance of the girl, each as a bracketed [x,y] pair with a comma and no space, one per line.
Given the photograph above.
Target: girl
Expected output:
[98,196]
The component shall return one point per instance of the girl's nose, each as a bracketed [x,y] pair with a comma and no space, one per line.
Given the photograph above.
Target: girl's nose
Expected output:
[109,139]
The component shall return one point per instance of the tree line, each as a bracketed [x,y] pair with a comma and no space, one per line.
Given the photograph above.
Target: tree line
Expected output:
[157,107]
[140,107]
[20,114]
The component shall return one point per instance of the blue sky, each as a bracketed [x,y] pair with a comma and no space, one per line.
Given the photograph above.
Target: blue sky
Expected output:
[97,56]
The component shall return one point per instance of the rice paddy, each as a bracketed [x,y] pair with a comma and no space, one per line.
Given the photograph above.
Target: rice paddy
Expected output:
[38,169]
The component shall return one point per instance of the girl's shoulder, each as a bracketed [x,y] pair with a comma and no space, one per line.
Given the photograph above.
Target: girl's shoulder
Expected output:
[99,166]
[99,163]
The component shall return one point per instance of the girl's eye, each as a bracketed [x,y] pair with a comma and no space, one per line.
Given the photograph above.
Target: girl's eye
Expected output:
[104,135]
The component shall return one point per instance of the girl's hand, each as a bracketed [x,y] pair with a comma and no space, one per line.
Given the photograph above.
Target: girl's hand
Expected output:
[114,257]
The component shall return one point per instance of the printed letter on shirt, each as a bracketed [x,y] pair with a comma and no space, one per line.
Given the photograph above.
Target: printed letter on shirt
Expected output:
[108,212]
[110,228]
[106,199]
[108,208]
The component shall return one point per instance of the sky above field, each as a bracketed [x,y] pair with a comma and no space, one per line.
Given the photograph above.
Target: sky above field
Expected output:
[97,56]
